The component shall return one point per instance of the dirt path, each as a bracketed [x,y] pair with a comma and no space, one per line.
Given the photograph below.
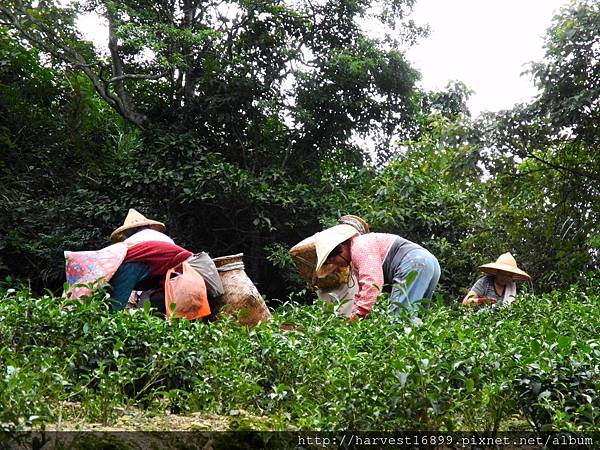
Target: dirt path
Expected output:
[136,429]
[131,419]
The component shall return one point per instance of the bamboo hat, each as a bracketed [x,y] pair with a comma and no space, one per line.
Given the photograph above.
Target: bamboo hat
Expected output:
[134,220]
[505,263]
[327,240]
[357,222]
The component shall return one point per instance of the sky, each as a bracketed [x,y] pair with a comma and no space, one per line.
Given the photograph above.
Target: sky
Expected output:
[486,44]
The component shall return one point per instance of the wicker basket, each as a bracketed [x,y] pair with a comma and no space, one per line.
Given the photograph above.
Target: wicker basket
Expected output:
[357,222]
[304,255]
[241,298]
[224,260]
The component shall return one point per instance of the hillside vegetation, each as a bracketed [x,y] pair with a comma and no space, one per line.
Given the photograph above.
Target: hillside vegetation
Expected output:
[530,366]
[248,125]
[250,131]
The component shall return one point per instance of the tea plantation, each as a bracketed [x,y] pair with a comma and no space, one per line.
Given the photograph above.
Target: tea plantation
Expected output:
[531,366]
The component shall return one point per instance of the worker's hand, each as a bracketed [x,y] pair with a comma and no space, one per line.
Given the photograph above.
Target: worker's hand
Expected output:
[470,301]
[486,301]
[356,317]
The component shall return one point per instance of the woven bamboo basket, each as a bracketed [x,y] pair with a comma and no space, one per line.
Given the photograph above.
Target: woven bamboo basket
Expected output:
[304,255]
[240,297]
[224,260]
[357,222]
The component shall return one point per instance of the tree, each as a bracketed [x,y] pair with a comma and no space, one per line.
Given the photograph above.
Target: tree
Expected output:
[218,64]
[53,138]
[544,155]
[232,108]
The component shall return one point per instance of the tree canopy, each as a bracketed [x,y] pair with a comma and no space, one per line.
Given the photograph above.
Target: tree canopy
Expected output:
[248,125]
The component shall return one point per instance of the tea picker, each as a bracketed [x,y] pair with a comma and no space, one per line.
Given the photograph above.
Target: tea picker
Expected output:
[498,287]
[377,260]
[146,265]
[339,286]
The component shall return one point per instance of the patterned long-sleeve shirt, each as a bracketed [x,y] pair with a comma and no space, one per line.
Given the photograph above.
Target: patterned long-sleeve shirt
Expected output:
[368,252]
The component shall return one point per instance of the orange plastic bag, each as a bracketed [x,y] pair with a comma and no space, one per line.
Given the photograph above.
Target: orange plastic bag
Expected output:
[188,292]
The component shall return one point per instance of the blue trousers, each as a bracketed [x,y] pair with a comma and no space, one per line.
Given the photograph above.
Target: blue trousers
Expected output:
[427,274]
[124,281]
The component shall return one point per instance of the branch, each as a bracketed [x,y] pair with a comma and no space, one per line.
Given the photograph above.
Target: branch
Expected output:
[125,105]
[191,74]
[46,39]
[129,76]
[570,170]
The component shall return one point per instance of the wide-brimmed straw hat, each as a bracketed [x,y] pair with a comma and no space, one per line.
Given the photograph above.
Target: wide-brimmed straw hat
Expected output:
[357,222]
[327,240]
[505,263]
[134,220]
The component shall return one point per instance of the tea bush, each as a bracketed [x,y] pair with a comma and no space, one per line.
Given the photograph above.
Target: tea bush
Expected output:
[532,365]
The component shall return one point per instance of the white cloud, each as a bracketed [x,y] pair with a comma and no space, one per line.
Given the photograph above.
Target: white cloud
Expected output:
[484,43]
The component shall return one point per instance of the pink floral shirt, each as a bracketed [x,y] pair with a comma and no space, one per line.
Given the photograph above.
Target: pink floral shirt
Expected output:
[368,251]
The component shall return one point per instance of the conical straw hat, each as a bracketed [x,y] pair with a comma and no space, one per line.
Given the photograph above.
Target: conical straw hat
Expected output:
[506,263]
[134,220]
[328,239]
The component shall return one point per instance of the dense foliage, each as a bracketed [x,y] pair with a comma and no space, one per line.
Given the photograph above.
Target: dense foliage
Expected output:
[530,366]
[545,154]
[241,125]
[248,125]
[235,108]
